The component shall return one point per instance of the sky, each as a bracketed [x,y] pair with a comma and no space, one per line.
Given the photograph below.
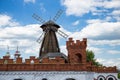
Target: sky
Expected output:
[96,20]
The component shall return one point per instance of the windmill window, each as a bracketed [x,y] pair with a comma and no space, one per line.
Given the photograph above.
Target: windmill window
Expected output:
[43,49]
[51,57]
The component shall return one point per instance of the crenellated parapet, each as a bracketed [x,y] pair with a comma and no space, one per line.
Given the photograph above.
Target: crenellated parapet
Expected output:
[71,44]
[19,60]
[6,60]
[102,69]
[55,60]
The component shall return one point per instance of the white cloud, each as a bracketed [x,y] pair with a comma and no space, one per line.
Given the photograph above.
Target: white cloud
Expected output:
[116,14]
[96,50]
[99,31]
[76,23]
[6,20]
[94,21]
[42,8]
[79,7]
[114,52]
[111,4]
[20,31]
[63,49]
[28,1]
[110,62]
[104,42]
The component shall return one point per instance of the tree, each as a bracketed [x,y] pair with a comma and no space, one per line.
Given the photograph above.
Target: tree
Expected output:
[118,75]
[91,58]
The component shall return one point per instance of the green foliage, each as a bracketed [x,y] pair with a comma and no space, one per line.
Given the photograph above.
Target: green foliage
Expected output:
[90,55]
[91,58]
[119,75]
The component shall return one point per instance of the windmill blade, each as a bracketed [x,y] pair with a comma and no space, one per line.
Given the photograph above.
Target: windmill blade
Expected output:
[40,38]
[35,16]
[62,34]
[43,35]
[57,15]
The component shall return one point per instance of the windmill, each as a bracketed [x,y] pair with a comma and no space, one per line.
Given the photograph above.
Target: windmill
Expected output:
[48,37]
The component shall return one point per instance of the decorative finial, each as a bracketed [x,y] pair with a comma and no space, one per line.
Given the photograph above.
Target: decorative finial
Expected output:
[17,53]
[17,47]
[7,48]
[8,53]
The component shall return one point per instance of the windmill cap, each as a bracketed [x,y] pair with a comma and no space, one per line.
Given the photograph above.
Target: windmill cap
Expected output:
[50,23]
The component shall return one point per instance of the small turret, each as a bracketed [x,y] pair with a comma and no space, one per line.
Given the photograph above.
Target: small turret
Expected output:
[17,53]
[7,54]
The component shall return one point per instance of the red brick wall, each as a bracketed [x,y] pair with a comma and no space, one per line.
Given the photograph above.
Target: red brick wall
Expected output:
[56,60]
[77,51]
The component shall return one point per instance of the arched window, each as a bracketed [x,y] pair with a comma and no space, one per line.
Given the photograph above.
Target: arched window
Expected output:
[101,77]
[70,79]
[78,58]
[110,78]
[44,79]
[17,79]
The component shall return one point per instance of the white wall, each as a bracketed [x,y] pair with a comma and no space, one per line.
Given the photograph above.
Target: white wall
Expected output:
[50,75]
[39,75]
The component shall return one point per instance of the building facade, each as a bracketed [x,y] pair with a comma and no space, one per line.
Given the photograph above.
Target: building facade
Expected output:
[56,66]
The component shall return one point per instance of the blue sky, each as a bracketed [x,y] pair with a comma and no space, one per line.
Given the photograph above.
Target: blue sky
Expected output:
[97,20]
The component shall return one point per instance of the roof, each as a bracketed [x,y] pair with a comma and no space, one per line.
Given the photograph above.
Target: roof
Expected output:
[50,23]
[57,54]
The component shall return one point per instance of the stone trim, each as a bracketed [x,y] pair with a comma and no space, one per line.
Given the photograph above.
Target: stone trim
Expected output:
[39,72]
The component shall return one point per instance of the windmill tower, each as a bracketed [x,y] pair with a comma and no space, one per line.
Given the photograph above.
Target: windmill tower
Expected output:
[49,41]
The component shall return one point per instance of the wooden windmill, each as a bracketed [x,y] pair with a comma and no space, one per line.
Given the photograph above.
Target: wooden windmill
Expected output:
[48,38]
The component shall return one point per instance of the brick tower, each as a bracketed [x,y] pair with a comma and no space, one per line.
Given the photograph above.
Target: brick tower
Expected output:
[77,51]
